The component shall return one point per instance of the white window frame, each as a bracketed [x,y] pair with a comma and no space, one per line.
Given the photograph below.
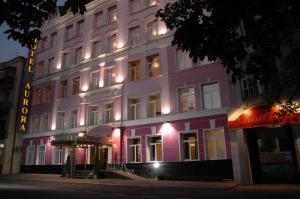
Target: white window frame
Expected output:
[155,102]
[58,155]
[135,106]
[30,153]
[61,121]
[202,85]
[186,95]
[93,118]
[73,122]
[182,141]
[110,111]
[41,155]
[45,122]
[205,144]
[135,149]
[134,35]
[149,143]
[109,76]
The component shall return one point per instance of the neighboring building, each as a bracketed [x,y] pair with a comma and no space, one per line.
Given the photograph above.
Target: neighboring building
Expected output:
[10,81]
[115,68]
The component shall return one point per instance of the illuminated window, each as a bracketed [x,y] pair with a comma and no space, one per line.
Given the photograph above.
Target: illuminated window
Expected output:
[189,145]
[41,154]
[78,55]
[60,120]
[211,96]
[112,45]
[76,85]
[99,19]
[73,118]
[112,14]
[66,60]
[154,108]
[93,115]
[215,144]
[37,96]
[95,78]
[183,60]
[135,73]
[153,66]
[63,88]
[97,48]
[68,33]
[108,113]
[134,150]
[134,6]
[155,148]
[134,36]
[58,154]
[134,108]
[151,2]
[80,27]
[186,99]
[152,30]
[109,76]
[53,39]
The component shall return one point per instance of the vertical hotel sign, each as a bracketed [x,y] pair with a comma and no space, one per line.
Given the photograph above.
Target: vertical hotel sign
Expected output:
[26,91]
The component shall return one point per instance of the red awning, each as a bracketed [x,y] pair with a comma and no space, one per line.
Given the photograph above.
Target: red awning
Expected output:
[262,116]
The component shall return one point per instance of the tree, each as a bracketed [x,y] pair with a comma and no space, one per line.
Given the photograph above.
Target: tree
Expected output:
[250,38]
[25,18]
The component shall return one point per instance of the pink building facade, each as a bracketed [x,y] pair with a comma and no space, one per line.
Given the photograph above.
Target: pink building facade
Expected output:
[115,66]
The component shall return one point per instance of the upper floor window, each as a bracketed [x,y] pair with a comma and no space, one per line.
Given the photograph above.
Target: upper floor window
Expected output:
[78,55]
[211,96]
[112,14]
[155,148]
[109,76]
[50,64]
[45,122]
[186,99]
[97,48]
[63,88]
[182,60]
[134,6]
[37,96]
[40,69]
[151,2]
[73,118]
[99,19]
[93,115]
[134,150]
[135,70]
[134,108]
[189,146]
[152,30]
[76,84]
[95,78]
[47,97]
[251,87]
[108,113]
[80,29]
[112,45]
[66,60]
[35,124]
[43,43]
[60,120]
[134,35]
[68,33]
[153,66]
[53,39]
[154,109]
[215,147]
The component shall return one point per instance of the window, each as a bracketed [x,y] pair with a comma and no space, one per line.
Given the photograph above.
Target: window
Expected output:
[95,78]
[112,46]
[58,154]
[76,84]
[37,96]
[93,115]
[135,72]
[47,96]
[41,154]
[97,48]
[30,155]
[154,108]
[50,64]
[134,150]
[211,96]
[152,30]
[112,14]
[134,109]
[78,55]
[251,87]
[43,43]
[73,118]
[109,113]
[189,146]
[134,36]
[99,19]
[134,6]
[66,60]
[186,99]
[68,34]
[40,69]
[183,61]
[80,27]
[153,66]
[215,144]
[35,124]
[60,120]
[151,2]
[45,121]
[63,88]
[53,39]
[109,76]
[155,148]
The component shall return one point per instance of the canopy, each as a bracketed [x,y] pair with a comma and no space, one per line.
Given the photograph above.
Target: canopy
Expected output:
[103,130]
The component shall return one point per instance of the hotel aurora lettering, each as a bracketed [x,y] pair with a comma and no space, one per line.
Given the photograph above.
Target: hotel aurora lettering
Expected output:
[25,94]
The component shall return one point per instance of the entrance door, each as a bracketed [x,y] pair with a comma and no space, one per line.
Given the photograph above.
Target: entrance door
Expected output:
[104,154]
[272,154]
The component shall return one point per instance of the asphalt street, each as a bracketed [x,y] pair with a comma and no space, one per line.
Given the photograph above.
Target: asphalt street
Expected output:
[56,187]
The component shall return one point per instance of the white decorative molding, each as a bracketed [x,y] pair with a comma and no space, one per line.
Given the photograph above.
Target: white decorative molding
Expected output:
[187,126]
[212,124]
[153,130]
[132,132]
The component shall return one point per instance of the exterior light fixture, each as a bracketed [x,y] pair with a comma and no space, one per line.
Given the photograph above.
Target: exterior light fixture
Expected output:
[81,134]
[156,165]
[102,64]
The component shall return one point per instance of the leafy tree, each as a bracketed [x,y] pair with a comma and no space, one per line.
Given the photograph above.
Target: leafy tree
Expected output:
[25,17]
[250,38]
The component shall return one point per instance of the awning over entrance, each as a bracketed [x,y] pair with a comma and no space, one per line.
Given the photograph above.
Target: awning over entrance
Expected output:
[262,116]
[104,130]
[68,140]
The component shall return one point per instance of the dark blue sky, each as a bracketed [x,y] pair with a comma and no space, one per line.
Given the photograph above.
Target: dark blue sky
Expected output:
[9,48]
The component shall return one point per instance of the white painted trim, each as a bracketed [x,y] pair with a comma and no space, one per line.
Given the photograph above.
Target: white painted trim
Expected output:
[148,151]
[133,137]
[180,145]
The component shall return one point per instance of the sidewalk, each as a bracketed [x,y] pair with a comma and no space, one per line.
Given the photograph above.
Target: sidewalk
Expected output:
[121,182]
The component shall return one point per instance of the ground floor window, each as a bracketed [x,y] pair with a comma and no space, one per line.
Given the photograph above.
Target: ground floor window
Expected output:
[189,146]
[41,154]
[134,150]
[58,153]
[215,144]
[30,155]
[155,148]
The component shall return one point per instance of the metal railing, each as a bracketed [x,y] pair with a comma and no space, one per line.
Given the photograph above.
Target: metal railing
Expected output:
[119,166]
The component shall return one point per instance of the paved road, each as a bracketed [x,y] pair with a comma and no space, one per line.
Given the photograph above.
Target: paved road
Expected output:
[35,187]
